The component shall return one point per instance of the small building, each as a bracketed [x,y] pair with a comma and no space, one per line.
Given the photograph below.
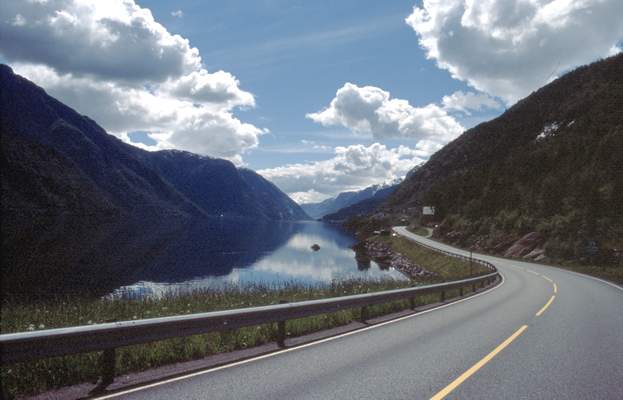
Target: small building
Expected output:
[428,215]
[428,210]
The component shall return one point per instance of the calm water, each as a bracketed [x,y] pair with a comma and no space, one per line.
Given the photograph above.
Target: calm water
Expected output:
[271,254]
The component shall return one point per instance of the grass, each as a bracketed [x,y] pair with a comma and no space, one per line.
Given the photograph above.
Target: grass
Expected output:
[39,376]
[446,268]
[418,230]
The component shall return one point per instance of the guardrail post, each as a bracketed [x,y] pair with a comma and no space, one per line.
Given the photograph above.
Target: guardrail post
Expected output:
[443,296]
[107,364]
[364,314]
[281,329]
[461,291]
[412,303]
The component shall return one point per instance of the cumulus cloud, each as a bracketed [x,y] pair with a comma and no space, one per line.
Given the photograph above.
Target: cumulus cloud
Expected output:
[113,62]
[370,110]
[351,168]
[510,48]
[107,39]
[467,102]
[177,13]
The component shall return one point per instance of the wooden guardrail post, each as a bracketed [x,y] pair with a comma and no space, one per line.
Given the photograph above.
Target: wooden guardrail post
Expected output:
[281,329]
[412,302]
[443,296]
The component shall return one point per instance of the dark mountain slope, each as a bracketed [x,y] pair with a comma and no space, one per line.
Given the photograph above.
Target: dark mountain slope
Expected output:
[39,179]
[28,112]
[552,164]
[273,202]
[133,181]
[219,188]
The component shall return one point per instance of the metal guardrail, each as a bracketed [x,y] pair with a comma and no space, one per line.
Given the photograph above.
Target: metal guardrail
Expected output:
[106,337]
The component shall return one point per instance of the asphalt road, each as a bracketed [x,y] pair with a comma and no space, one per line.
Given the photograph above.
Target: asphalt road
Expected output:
[491,346]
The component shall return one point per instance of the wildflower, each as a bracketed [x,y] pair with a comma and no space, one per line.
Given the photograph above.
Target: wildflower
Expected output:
[41,326]
[31,327]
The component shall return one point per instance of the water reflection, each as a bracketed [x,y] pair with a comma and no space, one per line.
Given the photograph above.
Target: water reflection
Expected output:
[52,256]
[292,261]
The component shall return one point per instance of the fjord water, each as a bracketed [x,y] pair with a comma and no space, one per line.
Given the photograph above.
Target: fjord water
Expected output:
[141,257]
[281,255]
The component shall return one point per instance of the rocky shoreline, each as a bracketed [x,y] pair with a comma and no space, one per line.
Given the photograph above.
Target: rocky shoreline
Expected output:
[386,257]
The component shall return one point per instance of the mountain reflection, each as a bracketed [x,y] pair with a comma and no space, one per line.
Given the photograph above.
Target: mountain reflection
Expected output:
[62,257]
[292,261]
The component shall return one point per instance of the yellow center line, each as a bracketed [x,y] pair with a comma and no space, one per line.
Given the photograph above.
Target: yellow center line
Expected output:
[548,279]
[445,391]
[555,288]
[542,310]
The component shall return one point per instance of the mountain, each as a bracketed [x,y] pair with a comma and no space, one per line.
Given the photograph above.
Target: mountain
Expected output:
[550,166]
[218,188]
[56,161]
[342,200]
[363,207]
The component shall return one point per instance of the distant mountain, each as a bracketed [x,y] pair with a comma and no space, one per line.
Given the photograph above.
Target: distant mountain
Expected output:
[363,207]
[56,161]
[551,164]
[342,200]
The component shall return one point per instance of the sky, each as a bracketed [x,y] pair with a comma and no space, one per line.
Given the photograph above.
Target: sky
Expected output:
[319,96]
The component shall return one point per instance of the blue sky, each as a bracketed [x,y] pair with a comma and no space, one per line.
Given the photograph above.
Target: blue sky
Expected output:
[293,55]
[318,96]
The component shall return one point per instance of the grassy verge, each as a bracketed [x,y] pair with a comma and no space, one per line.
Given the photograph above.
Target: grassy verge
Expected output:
[418,230]
[35,377]
[446,268]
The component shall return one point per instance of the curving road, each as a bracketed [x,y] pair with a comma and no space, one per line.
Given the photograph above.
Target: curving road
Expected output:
[544,333]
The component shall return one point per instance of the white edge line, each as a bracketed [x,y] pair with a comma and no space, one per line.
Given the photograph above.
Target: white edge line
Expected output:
[279,352]
[614,285]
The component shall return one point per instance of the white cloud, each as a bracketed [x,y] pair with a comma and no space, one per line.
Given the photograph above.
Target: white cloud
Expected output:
[470,101]
[351,168]
[107,39]
[171,121]
[113,62]
[309,196]
[177,13]
[215,88]
[512,47]
[370,110]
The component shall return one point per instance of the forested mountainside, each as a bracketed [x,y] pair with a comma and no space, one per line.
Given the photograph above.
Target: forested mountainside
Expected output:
[551,165]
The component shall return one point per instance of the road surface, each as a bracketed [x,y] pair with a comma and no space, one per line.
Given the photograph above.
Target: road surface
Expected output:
[544,333]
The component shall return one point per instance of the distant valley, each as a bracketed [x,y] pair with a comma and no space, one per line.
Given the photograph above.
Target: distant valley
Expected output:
[368,198]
